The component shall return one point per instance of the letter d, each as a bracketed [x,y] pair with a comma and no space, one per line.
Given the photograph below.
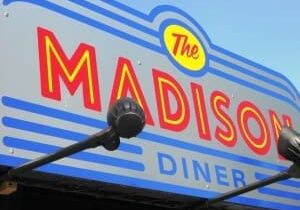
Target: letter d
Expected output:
[166,163]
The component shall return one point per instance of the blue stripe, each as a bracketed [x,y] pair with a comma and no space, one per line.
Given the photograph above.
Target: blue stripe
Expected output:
[253,74]
[142,183]
[42,129]
[258,66]
[116,17]
[50,112]
[279,193]
[92,23]
[133,39]
[130,148]
[134,149]
[128,9]
[107,177]
[205,150]
[290,183]
[63,115]
[253,87]
[85,156]
[58,132]
[163,8]
[61,133]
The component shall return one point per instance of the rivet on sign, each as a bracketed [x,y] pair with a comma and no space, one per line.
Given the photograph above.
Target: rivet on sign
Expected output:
[139,62]
[6,14]
[207,186]
[66,103]
[11,151]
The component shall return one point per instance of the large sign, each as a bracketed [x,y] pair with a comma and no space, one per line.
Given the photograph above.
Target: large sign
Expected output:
[212,117]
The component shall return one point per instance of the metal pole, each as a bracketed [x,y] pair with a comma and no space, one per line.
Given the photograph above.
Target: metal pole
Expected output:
[125,118]
[91,142]
[292,172]
[278,177]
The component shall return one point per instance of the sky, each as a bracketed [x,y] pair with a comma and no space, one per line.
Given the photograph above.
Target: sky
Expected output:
[264,31]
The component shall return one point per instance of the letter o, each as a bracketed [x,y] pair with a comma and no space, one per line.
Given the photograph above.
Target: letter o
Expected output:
[258,144]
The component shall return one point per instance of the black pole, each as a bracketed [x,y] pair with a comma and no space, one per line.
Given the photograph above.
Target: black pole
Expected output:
[125,118]
[289,147]
[100,138]
[292,172]
[278,177]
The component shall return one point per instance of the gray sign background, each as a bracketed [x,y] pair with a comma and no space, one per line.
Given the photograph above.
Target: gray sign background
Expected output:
[33,125]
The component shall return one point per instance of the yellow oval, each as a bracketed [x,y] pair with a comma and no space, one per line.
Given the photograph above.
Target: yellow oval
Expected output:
[184,47]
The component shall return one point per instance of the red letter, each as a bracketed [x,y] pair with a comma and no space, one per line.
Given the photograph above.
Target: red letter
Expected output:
[201,114]
[277,125]
[177,43]
[80,69]
[126,81]
[164,86]
[227,136]
[258,144]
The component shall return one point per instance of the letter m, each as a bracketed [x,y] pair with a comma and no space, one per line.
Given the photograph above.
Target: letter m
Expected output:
[56,67]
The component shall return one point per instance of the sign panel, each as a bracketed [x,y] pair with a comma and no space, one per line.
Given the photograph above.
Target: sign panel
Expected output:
[212,117]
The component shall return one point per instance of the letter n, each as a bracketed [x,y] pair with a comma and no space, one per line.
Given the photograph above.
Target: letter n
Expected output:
[56,67]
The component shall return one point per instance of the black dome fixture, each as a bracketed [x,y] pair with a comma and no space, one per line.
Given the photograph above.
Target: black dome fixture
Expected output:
[125,118]
[289,147]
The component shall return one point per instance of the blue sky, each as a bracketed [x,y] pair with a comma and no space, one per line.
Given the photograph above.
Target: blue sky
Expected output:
[264,31]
